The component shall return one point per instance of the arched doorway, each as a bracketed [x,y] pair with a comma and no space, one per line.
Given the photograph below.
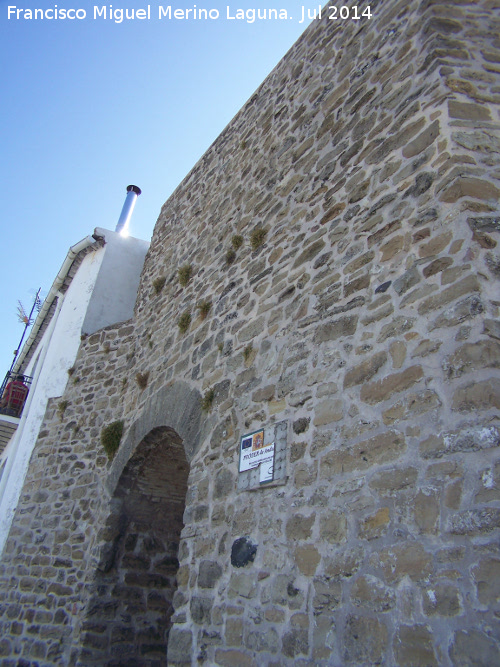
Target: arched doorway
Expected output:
[128,616]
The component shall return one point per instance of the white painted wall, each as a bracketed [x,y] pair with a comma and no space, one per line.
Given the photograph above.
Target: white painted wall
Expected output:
[102,292]
[60,344]
[115,291]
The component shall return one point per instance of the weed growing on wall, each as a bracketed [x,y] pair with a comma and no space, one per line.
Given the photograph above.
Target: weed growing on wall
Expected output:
[207,400]
[142,379]
[185,274]
[111,436]
[184,322]
[61,408]
[159,284]
[237,241]
[257,237]
[204,308]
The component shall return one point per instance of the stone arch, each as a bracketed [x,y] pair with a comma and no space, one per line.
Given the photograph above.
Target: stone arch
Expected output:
[129,608]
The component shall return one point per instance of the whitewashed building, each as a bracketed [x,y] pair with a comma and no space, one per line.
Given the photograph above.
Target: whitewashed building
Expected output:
[95,288]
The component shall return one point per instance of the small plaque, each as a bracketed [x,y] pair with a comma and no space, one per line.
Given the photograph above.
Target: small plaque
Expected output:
[262,457]
[254,451]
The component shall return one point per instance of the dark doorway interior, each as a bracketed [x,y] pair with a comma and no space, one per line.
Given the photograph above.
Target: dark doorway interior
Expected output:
[129,616]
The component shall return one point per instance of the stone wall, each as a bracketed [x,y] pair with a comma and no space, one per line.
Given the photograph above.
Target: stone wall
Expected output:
[341,238]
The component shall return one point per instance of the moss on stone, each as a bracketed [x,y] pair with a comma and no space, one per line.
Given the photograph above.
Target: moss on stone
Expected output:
[184,322]
[111,436]
[142,379]
[204,308]
[185,274]
[257,237]
[237,241]
[207,400]
[159,284]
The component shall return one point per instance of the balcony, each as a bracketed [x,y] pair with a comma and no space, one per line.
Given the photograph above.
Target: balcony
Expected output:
[13,392]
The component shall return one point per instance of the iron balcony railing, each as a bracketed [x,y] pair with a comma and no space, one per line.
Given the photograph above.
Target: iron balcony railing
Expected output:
[13,393]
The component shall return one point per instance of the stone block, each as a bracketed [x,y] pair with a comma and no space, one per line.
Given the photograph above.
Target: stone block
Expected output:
[381,390]
[344,326]
[375,525]
[414,647]
[475,521]
[234,632]
[307,559]
[392,247]
[295,643]
[389,482]
[487,579]
[356,285]
[365,641]
[233,658]
[468,186]
[413,404]
[426,510]
[371,592]
[242,585]
[365,371]
[397,351]
[376,450]
[409,559]
[209,573]
[259,641]
[468,111]
[301,425]
[472,356]
[201,608]
[474,396]
[441,600]
[285,593]
[333,527]
[473,647]
[299,527]
[424,139]
[398,326]
[224,484]
[465,439]
[309,253]
[326,412]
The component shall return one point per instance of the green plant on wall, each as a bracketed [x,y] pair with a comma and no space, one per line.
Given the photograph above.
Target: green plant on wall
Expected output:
[257,237]
[237,241]
[142,379]
[185,274]
[204,308]
[207,400]
[159,284]
[61,408]
[184,322]
[111,436]
[230,256]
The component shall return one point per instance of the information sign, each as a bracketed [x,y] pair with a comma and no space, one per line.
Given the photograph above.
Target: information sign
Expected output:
[255,452]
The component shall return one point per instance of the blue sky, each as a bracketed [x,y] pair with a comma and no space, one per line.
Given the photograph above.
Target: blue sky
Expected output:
[90,106]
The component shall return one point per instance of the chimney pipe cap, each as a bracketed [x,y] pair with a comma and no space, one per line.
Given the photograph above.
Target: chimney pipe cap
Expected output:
[134,188]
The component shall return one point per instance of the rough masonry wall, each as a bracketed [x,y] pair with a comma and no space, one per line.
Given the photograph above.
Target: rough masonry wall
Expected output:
[367,319]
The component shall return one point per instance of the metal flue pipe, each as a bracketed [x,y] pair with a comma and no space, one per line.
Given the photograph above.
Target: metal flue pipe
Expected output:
[132,193]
